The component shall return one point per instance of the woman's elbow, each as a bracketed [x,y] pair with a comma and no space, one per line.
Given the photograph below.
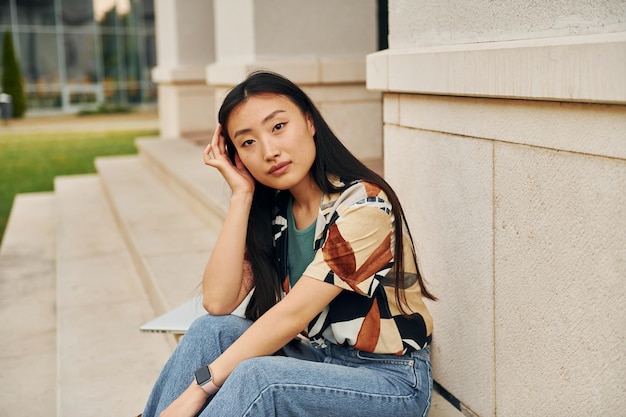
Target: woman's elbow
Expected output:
[217,308]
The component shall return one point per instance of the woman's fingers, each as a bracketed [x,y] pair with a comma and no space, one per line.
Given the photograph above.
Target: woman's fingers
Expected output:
[216,135]
[206,153]
[235,174]
[216,150]
[221,142]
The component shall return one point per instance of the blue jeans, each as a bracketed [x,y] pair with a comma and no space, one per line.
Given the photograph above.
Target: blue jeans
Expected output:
[311,380]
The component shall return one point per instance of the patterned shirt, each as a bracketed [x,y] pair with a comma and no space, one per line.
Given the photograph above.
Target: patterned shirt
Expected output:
[354,251]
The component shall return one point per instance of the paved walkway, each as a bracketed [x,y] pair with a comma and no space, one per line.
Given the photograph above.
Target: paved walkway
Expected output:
[144,120]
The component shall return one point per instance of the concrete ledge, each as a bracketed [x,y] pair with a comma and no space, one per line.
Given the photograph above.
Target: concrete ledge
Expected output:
[584,68]
[302,70]
[595,129]
[178,75]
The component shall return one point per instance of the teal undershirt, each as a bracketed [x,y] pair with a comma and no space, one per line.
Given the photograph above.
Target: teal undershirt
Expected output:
[300,252]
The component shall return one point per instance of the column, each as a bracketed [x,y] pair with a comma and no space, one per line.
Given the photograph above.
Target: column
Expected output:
[185,46]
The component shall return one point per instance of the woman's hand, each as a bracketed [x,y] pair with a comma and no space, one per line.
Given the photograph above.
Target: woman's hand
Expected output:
[237,176]
[188,404]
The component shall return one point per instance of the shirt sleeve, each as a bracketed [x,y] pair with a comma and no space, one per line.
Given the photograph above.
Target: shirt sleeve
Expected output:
[358,245]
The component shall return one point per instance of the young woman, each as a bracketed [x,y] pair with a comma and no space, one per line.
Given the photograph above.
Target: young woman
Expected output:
[336,325]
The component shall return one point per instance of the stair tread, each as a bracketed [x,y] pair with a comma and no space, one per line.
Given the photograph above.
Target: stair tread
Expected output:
[101,304]
[27,316]
[171,253]
[181,161]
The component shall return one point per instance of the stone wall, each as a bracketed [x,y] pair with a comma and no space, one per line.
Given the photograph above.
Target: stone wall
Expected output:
[505,135]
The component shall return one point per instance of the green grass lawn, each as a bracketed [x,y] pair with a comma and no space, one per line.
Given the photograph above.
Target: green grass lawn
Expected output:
[29,162]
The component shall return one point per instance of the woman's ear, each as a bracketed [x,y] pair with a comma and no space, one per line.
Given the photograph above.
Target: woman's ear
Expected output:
[310,124]
[230,151]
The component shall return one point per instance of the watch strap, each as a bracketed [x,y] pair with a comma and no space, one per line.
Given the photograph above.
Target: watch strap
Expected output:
[210,388]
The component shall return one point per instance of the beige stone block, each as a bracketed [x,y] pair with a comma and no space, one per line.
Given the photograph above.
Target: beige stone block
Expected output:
[426,22]
[302,69]
[338,69]
[586,68]
[358,126]
[391,108]
[560,251]
[226,74]
[598,129]
[340,93]
[377,71]
[179,74]
[445,185]
[186,109]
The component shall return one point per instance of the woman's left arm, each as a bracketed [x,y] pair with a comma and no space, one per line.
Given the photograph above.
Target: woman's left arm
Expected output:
[277,326]
[267,335]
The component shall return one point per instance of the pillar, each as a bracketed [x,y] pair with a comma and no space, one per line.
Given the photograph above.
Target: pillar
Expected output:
[185,46]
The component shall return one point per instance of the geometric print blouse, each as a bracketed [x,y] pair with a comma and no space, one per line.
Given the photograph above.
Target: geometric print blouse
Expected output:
[354,251]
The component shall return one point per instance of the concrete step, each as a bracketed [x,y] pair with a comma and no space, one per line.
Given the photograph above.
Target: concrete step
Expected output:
[105,365]
[179,163]
[170,236]
[28,309]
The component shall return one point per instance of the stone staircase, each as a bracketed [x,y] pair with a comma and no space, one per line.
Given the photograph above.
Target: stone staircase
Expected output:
[82,268]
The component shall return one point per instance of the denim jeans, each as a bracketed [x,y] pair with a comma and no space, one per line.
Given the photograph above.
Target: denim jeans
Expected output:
[310,380]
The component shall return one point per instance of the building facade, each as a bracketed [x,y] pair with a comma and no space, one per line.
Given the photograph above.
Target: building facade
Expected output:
[505,136]
[79,53]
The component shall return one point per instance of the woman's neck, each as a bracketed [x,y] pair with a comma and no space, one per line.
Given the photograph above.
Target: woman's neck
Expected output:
[306,203]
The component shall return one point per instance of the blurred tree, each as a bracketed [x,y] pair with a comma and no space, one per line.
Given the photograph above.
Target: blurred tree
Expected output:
[12,82]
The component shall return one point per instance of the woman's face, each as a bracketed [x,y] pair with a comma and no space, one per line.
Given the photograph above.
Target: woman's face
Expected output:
[274,140]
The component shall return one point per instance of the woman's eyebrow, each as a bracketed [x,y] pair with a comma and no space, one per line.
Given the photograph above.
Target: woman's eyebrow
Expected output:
[271,115]
[265,120]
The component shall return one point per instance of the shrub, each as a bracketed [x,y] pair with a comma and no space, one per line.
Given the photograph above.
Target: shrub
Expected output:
[105,108]
[12,82]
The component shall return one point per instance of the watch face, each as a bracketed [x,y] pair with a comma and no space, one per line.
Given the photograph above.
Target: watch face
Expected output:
[203,375]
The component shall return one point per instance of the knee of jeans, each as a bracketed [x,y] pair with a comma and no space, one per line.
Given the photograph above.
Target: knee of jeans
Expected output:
[208,321]
[208,324]
[258,371]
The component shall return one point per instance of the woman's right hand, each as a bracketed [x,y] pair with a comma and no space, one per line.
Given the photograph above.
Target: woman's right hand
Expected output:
[236,175]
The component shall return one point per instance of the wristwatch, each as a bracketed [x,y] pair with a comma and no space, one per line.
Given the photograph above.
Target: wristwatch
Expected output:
[205,380]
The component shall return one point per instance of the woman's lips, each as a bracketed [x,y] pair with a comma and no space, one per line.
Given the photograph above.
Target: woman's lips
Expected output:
[279,168]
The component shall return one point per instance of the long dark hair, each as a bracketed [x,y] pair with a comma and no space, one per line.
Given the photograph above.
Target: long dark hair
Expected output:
[332,157]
